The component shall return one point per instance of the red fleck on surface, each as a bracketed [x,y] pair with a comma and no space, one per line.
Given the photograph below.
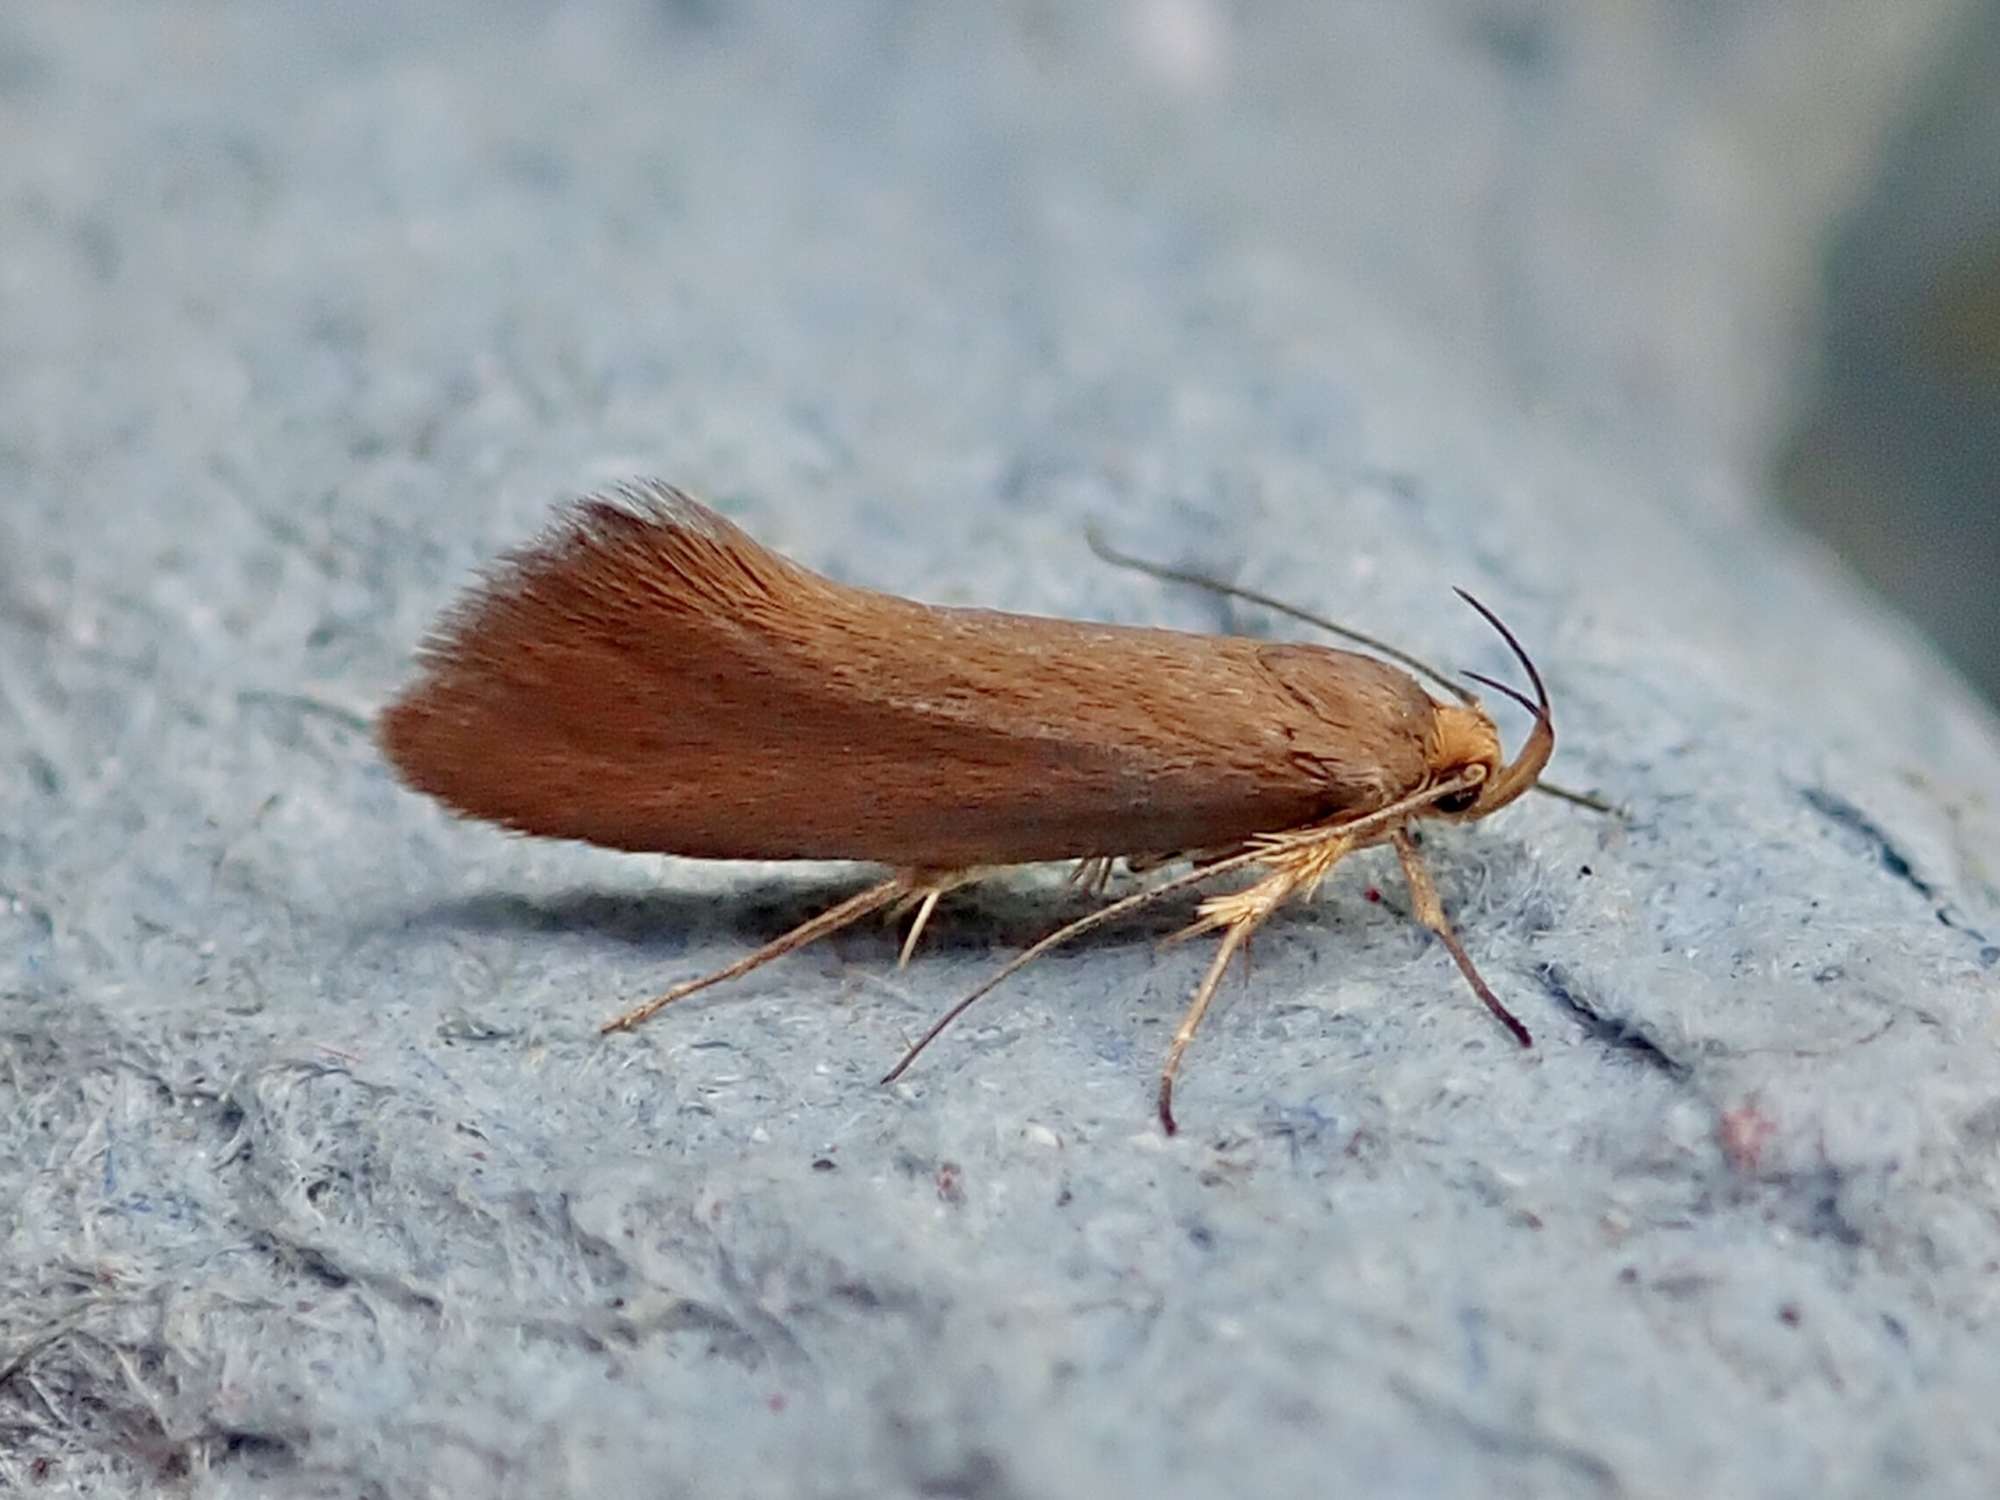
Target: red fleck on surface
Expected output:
[949,1187]
[1743,1133]
[1373,894]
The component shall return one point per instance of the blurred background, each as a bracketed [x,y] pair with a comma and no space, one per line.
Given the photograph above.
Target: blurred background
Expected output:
[1766,236]
[1894,456]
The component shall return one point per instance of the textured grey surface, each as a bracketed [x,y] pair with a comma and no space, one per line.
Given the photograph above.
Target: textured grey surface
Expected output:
[317,1179]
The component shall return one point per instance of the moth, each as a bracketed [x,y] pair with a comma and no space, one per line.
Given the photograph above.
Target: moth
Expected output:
[647,677]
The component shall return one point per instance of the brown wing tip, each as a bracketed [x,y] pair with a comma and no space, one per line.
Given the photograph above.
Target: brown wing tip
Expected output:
[634,505]
[594,549]
[600,527]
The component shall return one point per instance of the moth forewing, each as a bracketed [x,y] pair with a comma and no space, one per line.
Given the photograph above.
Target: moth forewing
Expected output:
[646,677]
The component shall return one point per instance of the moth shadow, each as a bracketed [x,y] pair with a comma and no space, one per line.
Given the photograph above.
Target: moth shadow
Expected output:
[989,916]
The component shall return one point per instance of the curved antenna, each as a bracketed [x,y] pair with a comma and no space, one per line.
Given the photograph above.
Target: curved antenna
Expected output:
[1549,788]
[1512,692]
[1583,799]
[1541,706]
[1161,571]
[1526,768]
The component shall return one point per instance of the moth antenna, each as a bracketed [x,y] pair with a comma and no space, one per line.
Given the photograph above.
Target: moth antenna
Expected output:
[1549,788]
[1541,705]
[1500,687]
[1527,766]
[1167,574]
[1582,799]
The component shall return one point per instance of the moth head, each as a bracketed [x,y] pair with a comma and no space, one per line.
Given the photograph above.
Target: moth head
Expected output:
[1468,746]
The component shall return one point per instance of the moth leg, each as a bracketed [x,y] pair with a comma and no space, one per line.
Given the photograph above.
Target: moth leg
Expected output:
[925,906]
[1296,868]
[1238,914]
[1092,874]
[848,912]
[921,893]
[1066,934]
[1430,912]
[1232,939]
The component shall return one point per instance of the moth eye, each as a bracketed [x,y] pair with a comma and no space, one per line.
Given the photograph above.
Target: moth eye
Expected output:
[1459,801]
